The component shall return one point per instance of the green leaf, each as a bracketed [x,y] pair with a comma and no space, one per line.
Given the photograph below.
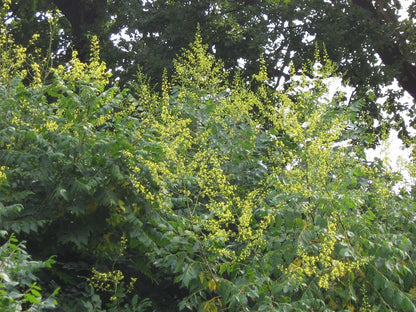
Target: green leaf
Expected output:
[190,274]
[32,299]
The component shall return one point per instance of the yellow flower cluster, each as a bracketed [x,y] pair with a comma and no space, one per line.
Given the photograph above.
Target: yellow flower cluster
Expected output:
[18,122]
[51,125]
[93,72]
[123,245]
[212,180]
[365,306]
[15,59]
[111,281]
[324,266]
[3,176]
[308,169]
[105,281]
[197,69]
[12,56]
[36,75]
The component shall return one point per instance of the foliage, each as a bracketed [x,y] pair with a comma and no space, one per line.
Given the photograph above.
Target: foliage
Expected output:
[370,41]
[213,194]
[19,290]
[60,147]
[62,162]
[266,204]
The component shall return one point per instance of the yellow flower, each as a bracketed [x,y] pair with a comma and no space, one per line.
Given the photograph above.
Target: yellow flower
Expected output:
[323,265]
[3,176]
[51,125]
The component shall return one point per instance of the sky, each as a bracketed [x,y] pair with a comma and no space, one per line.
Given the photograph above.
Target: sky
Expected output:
[393,150]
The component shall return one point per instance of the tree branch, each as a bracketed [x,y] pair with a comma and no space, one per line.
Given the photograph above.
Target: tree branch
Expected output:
[389,50]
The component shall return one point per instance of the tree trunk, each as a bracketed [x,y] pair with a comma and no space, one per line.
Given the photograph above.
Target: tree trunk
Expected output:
[83,15]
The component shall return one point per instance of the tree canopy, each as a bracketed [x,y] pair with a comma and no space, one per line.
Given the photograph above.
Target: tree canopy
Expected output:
[215,192]
[370,42]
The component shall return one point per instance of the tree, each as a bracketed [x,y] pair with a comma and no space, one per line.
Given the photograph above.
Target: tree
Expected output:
[271,211]
[212,194]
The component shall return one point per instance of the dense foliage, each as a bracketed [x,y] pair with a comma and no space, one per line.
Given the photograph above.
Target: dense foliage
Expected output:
[18,289]
[371,41]
[213,194]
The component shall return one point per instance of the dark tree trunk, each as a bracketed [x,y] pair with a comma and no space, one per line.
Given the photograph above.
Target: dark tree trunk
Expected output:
[83,15]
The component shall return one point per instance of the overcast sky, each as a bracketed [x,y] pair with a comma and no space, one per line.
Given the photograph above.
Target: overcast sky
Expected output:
[393,150]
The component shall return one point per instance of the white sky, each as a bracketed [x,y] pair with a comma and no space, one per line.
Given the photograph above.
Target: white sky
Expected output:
[393,151]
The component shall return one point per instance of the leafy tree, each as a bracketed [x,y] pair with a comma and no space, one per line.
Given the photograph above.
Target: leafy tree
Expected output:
[213,194]
[61,142]
[272,211]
